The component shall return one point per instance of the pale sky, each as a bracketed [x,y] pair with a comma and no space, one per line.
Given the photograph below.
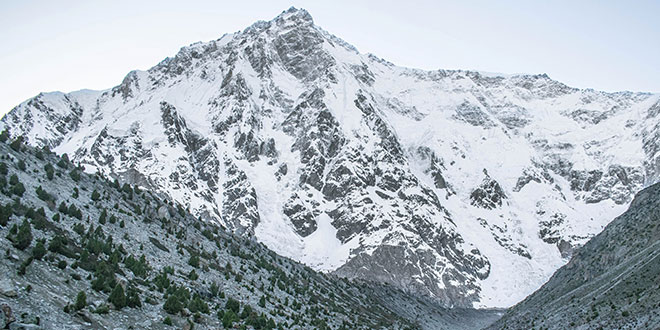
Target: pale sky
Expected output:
[69,45]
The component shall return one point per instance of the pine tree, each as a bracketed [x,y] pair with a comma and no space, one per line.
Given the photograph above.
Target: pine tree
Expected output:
[50,171]
[194,260]
[75,175]
[229,318]
[18,189]
[103,216]
[24,236]
[96,195]
[172,304]
[133,298]
[17,143]
[117,297]
[232,305]
[81,301]
[39,250]
[5,214]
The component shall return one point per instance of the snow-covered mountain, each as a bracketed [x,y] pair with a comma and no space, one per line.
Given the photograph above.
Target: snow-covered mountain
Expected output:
[470,187]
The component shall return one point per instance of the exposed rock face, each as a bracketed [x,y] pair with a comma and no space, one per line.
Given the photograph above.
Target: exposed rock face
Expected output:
[611,282]
[489,194]
[346,162]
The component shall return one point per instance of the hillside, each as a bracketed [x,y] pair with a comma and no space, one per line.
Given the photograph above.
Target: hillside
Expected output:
[81,251]
[613,282]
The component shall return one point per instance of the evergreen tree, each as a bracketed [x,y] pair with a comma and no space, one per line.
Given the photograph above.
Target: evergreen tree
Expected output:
[232,305]
[229,318]
[81,301]
[214,289]
[13,179]
[17,143]
[75,175]
[173,305]
[18,189]
[50,171]
[24,236]
[5,214]
[133,298]
[21,165]
[117,297]
[39,250]
[96,195]
[103,216]
[63,208]
[198,305]
[194,260]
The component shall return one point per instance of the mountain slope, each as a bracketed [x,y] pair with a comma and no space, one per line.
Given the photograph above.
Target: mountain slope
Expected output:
[440,182]
[67,232]
[612,282]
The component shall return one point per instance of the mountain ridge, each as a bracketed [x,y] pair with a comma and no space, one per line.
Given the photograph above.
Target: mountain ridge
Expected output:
[288,134]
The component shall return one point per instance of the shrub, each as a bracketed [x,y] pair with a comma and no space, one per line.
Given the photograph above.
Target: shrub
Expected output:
[103,309]
[24,265]
[43,195]
[167,321]
[21,165]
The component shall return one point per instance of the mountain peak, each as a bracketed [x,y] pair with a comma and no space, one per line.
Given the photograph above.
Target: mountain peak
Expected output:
[294,15]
